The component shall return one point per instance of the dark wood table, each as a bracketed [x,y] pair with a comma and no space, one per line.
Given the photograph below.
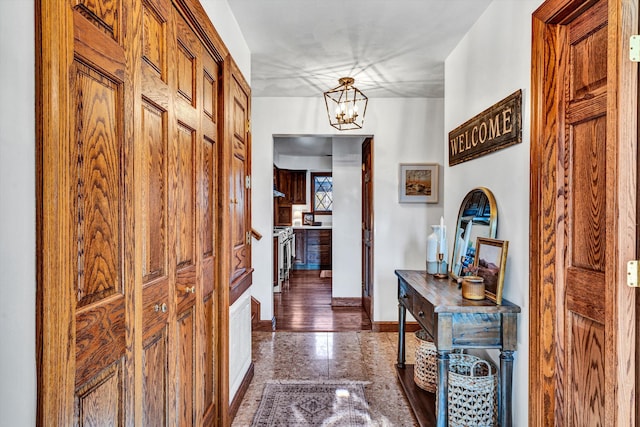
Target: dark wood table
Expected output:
[454,323]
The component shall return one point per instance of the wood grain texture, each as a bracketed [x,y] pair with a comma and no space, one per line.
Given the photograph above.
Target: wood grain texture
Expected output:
[543,213]
[97,152]
[581,203]
[306,305]
[586,397]
[620,330]
[155,379]
[108,208]
[445,296]
[101,400]
[185,379]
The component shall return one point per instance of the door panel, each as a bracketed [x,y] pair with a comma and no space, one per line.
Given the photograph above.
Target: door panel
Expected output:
[583,199]
[155,236]
[155,382]
[367,226]
[128,308]
[97,217]
[98,402]
[586,200]
[185,380]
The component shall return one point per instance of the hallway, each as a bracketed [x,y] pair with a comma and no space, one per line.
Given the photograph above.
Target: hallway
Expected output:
[305,306]
[356,355]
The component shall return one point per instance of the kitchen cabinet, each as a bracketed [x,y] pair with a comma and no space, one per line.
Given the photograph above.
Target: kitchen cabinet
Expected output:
[313,249]
[298,187]
[293,183]
[300,257]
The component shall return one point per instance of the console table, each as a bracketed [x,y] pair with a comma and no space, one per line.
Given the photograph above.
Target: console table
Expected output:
[454,323]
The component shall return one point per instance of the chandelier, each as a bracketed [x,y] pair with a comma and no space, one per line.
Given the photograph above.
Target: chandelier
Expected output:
[346,105]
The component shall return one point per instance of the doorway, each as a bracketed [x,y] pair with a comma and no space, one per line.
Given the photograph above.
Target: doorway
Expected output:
[343,163]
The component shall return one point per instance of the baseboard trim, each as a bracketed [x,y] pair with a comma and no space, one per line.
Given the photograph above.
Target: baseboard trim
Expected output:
[242,390]
[393,327]
[346,302]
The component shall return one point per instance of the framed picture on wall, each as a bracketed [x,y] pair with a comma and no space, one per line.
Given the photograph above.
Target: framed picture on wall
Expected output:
[418,183]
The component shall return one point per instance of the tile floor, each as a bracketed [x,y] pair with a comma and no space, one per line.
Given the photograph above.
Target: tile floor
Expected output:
[359,355]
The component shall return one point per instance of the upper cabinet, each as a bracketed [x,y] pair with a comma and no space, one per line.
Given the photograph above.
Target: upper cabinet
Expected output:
[293,183]
[298,187]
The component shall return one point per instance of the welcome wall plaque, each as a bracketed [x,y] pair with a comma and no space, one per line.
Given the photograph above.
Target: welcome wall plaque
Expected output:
[497,127]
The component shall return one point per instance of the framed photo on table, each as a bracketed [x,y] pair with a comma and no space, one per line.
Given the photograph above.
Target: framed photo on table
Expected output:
[489,263]
[418,183]
[307,218]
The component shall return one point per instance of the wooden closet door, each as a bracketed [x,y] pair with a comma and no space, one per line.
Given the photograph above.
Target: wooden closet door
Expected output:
[100,212]
[239,188]
[154,235]
[207,212]
[583,209]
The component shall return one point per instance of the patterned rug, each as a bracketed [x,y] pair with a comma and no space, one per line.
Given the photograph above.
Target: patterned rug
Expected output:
[306,403]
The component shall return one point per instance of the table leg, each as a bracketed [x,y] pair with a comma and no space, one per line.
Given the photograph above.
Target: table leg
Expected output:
[402,317]
[504,391]
[442,411]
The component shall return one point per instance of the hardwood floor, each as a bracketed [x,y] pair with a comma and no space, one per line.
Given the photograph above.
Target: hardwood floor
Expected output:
[305,306]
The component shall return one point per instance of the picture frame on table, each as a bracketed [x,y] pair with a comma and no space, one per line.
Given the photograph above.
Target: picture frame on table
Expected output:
[307,218]
[418,183]
[489,263]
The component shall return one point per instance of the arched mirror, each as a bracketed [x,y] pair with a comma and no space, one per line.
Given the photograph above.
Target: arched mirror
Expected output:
[478,217]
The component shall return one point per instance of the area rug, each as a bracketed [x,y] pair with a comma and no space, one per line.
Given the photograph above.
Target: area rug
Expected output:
[324,274]
[306,403]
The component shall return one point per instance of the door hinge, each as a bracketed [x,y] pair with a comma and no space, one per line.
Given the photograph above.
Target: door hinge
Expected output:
[632,274]
[248,125]
[248,237]
[247,181]
[634,48]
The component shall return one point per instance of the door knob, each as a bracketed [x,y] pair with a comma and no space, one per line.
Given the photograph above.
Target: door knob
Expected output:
[160,307]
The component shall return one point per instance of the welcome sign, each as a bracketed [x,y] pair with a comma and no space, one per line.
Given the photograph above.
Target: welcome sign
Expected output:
[497,127]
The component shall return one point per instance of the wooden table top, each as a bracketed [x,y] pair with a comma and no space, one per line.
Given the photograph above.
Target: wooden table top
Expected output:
[446,297]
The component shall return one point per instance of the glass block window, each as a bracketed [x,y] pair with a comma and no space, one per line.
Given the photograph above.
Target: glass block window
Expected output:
[322,191]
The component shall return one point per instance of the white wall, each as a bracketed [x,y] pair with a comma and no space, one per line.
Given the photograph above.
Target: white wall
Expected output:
[346,240]
[17,197]
[491,62]
[17,214]
[404,131]
[227,27]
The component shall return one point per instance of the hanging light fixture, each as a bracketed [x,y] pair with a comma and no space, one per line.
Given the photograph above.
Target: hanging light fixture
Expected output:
[346,105]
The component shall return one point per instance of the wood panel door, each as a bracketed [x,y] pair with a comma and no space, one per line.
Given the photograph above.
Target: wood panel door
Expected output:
[128,314]
[367,226]
[239,183]
[583,207]
[97,207]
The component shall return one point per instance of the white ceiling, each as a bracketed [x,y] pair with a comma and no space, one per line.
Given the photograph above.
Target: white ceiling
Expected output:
[393,48]
[304,145]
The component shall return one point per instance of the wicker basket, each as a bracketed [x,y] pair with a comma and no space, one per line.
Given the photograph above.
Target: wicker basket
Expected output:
[425,371]
[473,391]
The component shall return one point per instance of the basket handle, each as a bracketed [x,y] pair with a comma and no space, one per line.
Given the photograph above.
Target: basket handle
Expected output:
[473,367]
